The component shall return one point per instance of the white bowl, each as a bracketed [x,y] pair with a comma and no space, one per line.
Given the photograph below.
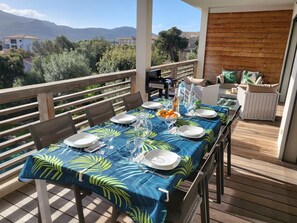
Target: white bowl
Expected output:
[161,159]
[190,131]
[123,119]
[81,140]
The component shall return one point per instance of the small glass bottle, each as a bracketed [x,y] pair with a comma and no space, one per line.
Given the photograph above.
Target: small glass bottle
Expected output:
[175,100]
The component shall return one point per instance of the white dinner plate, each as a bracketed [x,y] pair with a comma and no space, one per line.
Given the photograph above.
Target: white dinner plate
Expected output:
[193,132]
[123,119]
[81,140]
[161,159]
[152,105]
[206,113]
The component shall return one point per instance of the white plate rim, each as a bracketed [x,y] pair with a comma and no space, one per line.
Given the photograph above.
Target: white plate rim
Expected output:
[162,167]
[158,105]
[70,142]
[206,116]
[115,120]
[190,137]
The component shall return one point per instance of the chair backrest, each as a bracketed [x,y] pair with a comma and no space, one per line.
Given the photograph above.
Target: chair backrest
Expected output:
[192,198]
[99,113]
[132,101]
[52,131]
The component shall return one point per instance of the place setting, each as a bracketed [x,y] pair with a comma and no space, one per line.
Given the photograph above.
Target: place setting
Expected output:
[152,105]
[85,141]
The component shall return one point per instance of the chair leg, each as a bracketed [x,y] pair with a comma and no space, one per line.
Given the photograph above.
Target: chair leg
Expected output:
[39,215]
[204,204]
[78,201]
[221,163]
[115,214]
[229,153]
[218,176]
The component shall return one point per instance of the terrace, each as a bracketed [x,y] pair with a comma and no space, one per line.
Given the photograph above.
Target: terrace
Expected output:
[262,188]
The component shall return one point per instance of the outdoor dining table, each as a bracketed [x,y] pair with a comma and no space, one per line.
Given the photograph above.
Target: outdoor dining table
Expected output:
[141,195]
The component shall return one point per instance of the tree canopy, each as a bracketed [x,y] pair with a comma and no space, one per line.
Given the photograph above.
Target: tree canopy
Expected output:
[171,42]
[11,67]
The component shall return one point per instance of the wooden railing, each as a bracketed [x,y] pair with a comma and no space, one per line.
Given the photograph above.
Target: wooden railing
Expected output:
[23,106]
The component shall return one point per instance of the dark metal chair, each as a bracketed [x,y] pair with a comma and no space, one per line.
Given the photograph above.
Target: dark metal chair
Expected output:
[132,101]
[52,131]
[182,205]
[226,143]
[55,130]
[99,113]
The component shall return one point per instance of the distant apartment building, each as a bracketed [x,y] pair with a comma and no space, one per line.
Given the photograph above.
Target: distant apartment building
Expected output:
[131,40]
[18,42]
[127,40]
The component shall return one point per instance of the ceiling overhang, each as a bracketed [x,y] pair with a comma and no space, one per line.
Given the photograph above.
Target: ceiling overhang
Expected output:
[269,4]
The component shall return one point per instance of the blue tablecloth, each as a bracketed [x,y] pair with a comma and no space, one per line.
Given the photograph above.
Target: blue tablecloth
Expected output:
[113,176]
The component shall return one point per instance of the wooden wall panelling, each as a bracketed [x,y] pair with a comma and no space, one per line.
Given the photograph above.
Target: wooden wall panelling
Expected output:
[253,41]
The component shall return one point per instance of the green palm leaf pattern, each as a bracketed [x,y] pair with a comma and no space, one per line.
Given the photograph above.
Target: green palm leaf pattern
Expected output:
[139,216]
[111,187]
[91,163]
[131,133]
[52,148]
[155,144]
[52,164]
[209,136]
[102,132]
[185,166]
[223,117]
[181,122]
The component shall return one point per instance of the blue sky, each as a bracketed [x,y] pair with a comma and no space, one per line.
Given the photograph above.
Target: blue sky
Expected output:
[106,13]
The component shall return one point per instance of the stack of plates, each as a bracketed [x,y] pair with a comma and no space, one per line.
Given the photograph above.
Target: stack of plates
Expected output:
[81,140]
[205,113]
[123,119]
[161,159]
[152,105]
[193,132]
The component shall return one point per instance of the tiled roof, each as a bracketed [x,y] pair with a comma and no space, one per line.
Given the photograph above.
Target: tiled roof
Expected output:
[21,36]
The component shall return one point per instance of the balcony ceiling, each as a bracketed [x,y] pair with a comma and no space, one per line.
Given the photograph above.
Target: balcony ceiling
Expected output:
[238,3]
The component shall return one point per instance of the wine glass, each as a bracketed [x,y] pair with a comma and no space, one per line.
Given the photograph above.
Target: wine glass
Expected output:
[167,104]
[143,126]
[169,122]
[107,139]
[133,146]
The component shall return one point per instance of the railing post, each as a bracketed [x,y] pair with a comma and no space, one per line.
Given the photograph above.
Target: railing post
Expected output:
[46,106]
[195,69]
[133,84]
[174,72]
[46,112]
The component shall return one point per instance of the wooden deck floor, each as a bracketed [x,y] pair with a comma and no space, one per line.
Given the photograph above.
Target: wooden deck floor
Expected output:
[261,188]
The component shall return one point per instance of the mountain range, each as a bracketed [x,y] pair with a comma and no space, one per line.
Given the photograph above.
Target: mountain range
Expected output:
[13,25]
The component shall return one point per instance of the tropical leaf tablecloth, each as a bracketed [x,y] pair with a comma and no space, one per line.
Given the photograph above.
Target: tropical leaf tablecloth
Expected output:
[113,176]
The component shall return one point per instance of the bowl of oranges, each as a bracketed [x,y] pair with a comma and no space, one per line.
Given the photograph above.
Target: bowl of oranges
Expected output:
[167,115]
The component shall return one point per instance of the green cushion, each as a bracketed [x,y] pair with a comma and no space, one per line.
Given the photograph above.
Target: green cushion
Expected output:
[249,77]
[230,76]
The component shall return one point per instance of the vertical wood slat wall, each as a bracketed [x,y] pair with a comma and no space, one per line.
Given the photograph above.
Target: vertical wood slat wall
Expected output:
[254,41]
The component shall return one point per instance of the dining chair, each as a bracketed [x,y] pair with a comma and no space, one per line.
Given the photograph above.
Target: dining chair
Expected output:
[132,101]
[99,113]
[225,143]
[182,205]
[52,131]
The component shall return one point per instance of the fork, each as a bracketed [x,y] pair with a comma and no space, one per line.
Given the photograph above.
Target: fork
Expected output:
[152,172]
